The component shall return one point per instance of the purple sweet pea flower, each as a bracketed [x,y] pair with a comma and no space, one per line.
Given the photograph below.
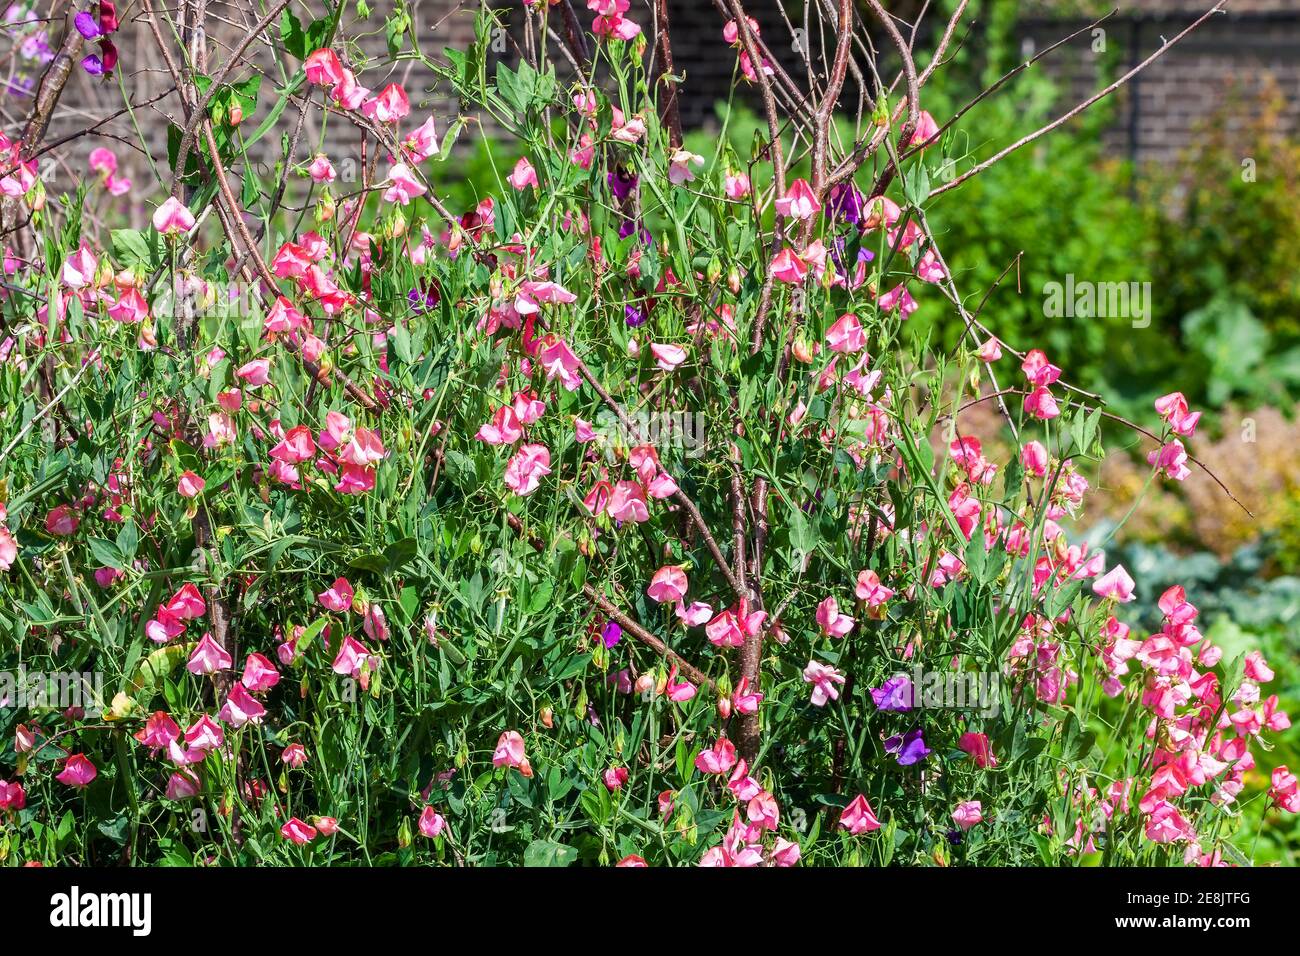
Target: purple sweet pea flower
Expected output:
[908,748]
[611,633]
[846,201]
[893,694]
[621,184]
[87,25]
[633,316]
[93,65]
[37,47]
[421,300]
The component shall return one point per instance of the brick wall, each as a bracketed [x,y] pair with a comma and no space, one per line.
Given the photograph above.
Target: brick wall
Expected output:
[1259,43]
[1235,58]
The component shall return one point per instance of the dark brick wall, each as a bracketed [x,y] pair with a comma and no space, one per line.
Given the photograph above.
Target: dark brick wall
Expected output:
[1230,60]
[1258,44]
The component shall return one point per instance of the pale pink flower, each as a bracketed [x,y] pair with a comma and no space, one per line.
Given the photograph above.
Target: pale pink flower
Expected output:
[823,677]
[967,814]
[799,201]
[525,471]
[668,585]
[172,217]
[403,186]
[523,175]
[190,485]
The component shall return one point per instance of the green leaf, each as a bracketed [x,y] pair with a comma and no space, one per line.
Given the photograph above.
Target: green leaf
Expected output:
[107,553]
[549,853]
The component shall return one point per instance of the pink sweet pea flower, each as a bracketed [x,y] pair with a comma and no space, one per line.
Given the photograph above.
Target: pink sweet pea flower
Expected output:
[627,503]
[182,785]
[62,521]
[172,217]
[255,373]
[324,68]
[1285,792]
[823,677]
[77,772]
[832,622]
[679,169]
[352,659]
[159,731]
[695,615]
[799,201]
[743,701]
[846,335]
[615,777]
[129,308]
[431,823]
[190,485]
[186,604]
[926,128]
[870,589]
[79,268]
[1116,584]
[525,471]
[668,357]
[528,407]
[968,814]
[298,832]
[990,351]
[389,106]
[523,175]
[1038,370]
[615,27]
[296,447]
[259,674]
[403,185]
[533,294]
[422,142]
[1167,825]
[321,169]
[559,362]
[858,817]
[241,708]
[1173,409]
[898,298]
[510,752]
[762,811]
[1257,669]
[719,758]
[338,597]
[788,267]
[348,93]
[9,550]
[977,745]
[668,586]
[1041,404]
[204,734]
[724,631]
[504,429]
[294,755]
[363,449]
[208,657]
[880,211]
[1033,456]
[1171,459]
[102,161]
[736,186]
